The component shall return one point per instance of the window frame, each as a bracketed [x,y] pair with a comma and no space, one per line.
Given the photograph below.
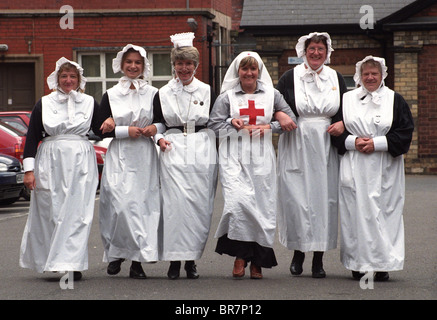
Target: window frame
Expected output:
[104,80]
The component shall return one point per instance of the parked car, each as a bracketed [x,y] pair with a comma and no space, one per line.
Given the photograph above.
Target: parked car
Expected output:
[100,156]
[12,141]
[20,120]
[11,179]
[17,119]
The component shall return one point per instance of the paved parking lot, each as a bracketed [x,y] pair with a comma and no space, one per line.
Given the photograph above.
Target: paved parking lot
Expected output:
[418,281]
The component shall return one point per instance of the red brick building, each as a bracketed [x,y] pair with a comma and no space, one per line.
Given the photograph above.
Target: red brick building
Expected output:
[35,34]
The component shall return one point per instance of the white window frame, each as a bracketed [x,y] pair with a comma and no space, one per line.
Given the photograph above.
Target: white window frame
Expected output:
[104,80]
[152,76]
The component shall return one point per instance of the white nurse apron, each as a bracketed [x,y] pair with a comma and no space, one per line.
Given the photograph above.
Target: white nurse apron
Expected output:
[62,204]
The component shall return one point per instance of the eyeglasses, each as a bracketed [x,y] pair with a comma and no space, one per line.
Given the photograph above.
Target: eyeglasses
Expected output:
[319,50]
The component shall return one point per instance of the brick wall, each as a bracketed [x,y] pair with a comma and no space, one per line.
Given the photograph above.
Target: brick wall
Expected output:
[32,27]
[220,5]
[427,113]
[416,80]
[49,39]
[237,11]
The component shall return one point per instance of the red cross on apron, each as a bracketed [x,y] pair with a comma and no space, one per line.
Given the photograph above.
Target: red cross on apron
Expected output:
[252,112]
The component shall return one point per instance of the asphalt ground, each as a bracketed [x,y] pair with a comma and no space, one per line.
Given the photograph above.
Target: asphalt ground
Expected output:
[216,287]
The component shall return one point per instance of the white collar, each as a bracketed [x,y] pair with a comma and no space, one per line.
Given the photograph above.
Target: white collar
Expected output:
[177,87]
[375,96]
[71,98]
[125,83]
[309,75]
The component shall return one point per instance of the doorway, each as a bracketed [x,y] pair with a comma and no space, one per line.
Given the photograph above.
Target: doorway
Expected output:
[17,86]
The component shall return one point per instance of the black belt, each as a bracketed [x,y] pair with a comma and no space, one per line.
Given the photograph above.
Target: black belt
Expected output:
[181,128]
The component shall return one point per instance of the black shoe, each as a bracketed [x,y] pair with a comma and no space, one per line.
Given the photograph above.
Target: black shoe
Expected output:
[191,270]
[317,267]
[357,275]
[136,271]
[297,262]
[174,270]
[114,267]
[381,276]
[77,275]
[318,272]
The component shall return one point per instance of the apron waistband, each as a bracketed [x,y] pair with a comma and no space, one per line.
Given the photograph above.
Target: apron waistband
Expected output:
[69,137]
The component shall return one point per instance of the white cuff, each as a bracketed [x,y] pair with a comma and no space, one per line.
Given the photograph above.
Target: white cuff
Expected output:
[160,127]
[380,143]
[158,136]
[28,164]
[350,142]
[122,132]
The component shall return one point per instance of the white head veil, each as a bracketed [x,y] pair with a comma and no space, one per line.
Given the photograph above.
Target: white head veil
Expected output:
[310,75]
[125,82]
[73,96]
[300,46]
[116,62]
[364,94]
[231,78]
[52,79]
[357,76]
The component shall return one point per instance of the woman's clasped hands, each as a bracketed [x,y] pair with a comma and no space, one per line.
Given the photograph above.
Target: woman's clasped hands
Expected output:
[134,132]
[254,130]
[364,145]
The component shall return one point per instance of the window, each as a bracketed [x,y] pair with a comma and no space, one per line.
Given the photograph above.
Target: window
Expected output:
[100,77]
[15,121]
[349,80]
[160,66]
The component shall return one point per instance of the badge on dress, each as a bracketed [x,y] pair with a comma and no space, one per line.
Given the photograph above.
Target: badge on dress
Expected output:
[189,127]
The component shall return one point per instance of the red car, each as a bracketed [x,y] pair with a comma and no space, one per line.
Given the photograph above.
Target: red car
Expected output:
[12,141]
[17,119]
[20,120]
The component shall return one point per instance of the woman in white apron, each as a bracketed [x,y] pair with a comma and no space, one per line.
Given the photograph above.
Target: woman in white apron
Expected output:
[379,128]
[307,162]
[188,165]
[247,163]
[129,194]
[62,174]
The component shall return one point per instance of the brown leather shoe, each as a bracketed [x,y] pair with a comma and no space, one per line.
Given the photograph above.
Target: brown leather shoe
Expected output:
[255,272]
[239,265]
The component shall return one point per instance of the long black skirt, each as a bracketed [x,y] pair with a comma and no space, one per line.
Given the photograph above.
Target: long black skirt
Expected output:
[249,251]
